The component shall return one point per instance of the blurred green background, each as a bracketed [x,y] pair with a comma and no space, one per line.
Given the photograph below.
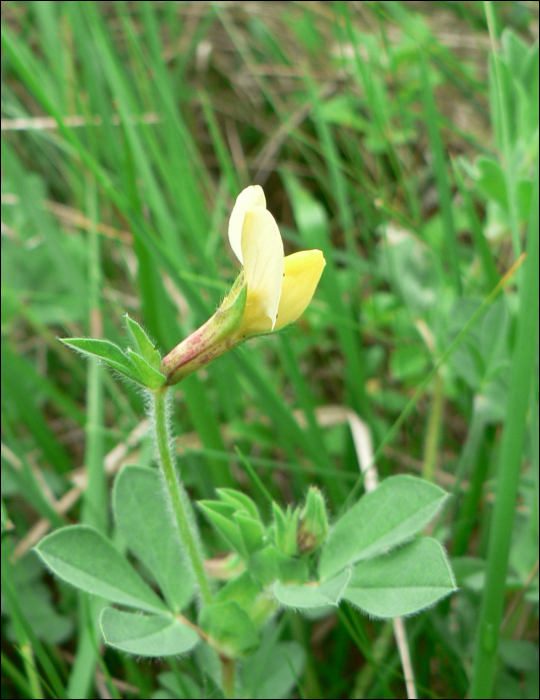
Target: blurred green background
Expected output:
[401,138]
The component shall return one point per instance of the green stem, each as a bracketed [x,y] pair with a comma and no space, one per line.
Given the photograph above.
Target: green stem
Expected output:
[433,432]
[228,668]
[477,453]
[178,496]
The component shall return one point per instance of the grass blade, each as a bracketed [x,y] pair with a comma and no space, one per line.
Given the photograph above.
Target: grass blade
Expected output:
[509,467]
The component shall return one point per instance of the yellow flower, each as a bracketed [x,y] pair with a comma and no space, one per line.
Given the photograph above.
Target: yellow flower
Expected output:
[279,288]
[271,291]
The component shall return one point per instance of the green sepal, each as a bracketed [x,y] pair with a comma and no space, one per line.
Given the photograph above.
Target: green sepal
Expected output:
[313,522]
[150,376]
[240,501]
[210,341]
[230,627]
[286,525]
[142,343]
[251,530]
[218,514]
[107,352]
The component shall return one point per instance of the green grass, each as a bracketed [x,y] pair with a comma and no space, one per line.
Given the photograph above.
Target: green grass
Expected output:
[400,140]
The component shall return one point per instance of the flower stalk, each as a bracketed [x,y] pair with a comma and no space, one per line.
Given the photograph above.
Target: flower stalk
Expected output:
[178,496]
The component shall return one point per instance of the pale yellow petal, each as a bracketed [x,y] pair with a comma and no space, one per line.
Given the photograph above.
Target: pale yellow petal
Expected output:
[262,251]
[252,196]
[303,271]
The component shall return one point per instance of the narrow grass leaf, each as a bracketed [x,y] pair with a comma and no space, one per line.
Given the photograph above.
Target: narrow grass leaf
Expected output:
[19,387]
[441,177]
[509,469]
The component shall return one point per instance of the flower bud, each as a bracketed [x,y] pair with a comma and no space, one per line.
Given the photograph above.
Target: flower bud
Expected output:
[209,341]
[313,523]
[285,528]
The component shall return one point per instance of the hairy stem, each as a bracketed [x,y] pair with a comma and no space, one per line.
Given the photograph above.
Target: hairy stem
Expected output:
[178,496]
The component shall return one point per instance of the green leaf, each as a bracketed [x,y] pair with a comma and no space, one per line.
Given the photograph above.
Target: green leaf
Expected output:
[391,514]
[248,593]
[269,565]
[251,530]
[230,626]
[469,573]
[85,558]
[273,670]
[312,595]
[107,352]
[340,110]
[491,181]
[150,377]
[35,598]
[146,635]
[264,565]
[518,654]
[292,570]
[402,582]
[227,528]
[408,361]
[242,589]
[239,500]
[143,343]
[466,360]
[178,685]
[143,517]
[414,271]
